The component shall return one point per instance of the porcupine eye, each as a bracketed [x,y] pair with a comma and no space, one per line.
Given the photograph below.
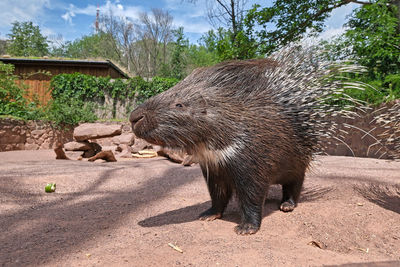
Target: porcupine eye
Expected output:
[179,105]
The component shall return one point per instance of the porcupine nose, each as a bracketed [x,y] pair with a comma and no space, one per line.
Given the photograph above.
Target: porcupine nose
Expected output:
[135,117]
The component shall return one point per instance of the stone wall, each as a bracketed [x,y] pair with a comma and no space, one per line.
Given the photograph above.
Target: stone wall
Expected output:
[31,135]
[112,108]
[365,137]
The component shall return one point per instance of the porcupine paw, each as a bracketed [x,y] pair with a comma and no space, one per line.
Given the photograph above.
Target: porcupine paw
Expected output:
[246,229]
[210,215]
[288,205]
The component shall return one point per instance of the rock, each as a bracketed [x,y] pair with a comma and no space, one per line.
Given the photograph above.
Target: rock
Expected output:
[89,153]
[75,155]
[38,132]
[93,150]
[171,155]
[31,146]
[125,138]
[88,131]
[60,154]
[30,140]
[10,139]
[45,145]
[20,147]
[112,148]
[95,146]
[175,156]
[106,155]
[77,146]
[140,144]
[127,127]
[126,151]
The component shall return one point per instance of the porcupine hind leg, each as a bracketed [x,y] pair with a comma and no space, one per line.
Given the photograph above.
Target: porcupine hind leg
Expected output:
[220,191]
[291,193]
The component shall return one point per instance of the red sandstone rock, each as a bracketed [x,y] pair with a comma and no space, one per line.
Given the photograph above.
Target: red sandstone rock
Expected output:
[60,154]
[126,151]
[75,155]
[125,138]
[140,144]
[77,146]
[88,131]
[106,155]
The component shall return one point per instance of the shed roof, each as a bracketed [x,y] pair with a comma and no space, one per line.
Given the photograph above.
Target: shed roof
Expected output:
[65,63]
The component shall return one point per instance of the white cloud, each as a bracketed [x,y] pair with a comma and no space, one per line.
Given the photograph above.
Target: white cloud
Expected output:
[69,14]
[110,6]
[21,10]
[72,11]
[192,27]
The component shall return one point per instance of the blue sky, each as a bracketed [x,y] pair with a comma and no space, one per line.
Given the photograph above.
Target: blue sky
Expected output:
[72,19]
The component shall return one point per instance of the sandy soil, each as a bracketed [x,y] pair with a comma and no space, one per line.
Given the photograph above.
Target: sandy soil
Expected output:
[125,213]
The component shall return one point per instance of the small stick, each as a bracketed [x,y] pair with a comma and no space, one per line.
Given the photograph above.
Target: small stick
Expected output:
[175,247]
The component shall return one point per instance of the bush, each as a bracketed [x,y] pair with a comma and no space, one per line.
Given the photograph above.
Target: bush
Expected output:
[156,86]
[89,88]
[63,111]
[78,86]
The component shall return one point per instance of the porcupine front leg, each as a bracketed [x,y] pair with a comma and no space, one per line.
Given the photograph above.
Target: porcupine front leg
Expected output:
[251,200]
[220,192]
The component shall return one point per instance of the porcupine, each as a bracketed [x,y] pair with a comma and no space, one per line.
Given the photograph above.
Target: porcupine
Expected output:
[250,123]
[388,118]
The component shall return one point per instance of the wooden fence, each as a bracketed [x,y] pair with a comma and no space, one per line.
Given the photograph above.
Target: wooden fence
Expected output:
[37,89]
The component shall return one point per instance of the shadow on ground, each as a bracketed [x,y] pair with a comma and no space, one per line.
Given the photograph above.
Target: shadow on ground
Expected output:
[191,213]
[386,196]
[38,234]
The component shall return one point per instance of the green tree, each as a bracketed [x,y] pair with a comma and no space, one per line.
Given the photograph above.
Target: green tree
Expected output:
[243,46]
[27,40]
[295,18]
[374,38]
[178,60]
[91,46]
[200,56]
[3,47]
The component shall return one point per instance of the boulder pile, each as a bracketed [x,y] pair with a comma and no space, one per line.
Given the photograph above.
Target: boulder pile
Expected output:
[107,142]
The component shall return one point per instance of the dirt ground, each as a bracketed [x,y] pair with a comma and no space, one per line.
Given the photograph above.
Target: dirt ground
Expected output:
[127,212]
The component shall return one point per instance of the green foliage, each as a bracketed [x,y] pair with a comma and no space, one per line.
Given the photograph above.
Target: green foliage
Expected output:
[92,46]
[77,86]
[287,21]
[200,56]
[69,111]
[81,88]
[178,61]
[158,85]
[374,37]
[26,40]
[228,46]
[372,40]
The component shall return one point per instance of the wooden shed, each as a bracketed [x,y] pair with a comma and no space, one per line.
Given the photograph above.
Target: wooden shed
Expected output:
[30,71]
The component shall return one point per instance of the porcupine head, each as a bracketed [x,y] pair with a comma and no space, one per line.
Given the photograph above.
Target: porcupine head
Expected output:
[192,116]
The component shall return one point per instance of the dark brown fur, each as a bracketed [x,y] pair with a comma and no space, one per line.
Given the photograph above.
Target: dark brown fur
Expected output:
[228,118]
